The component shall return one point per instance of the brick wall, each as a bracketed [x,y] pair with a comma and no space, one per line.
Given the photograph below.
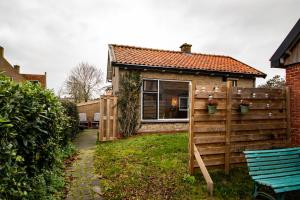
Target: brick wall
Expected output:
[8,70]
[293,81]
[36,77]
[14,72]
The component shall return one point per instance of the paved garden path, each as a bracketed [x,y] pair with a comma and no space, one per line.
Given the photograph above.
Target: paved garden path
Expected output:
[85,184]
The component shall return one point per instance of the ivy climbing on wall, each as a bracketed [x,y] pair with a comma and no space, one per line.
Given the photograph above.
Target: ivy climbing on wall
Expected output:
[128,102]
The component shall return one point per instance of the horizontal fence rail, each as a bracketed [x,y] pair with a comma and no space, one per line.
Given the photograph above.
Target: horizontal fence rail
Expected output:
[221,137]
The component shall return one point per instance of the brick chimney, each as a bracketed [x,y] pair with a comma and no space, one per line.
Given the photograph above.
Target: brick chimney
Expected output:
[17,68]
[186,48]
[1,51]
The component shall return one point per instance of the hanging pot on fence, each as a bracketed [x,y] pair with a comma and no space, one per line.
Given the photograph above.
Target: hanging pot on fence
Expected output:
[211,109]
[244,109]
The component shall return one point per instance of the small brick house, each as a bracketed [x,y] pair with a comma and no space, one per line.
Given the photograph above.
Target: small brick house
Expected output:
[166,78]
[287,56]
[14,72]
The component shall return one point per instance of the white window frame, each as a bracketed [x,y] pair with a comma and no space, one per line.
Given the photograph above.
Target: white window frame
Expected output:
[163,120]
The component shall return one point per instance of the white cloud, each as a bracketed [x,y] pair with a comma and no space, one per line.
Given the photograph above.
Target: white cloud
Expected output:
[55,35]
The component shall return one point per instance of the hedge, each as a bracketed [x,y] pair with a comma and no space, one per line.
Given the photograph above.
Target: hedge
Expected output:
[71,111]
[32,124]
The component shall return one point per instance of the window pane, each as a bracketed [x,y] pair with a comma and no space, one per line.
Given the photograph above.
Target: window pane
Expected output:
[150,85]
[150,106]
[183,103]
[169,94]
[234,83]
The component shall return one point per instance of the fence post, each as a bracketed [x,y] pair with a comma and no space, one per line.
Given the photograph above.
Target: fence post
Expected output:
[191,127]
[228,125]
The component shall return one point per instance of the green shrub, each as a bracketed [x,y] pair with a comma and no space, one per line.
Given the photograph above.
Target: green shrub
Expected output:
[32,124]
[72,112]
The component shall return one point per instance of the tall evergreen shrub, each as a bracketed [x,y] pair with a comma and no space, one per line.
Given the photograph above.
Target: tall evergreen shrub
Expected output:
[32,124]
[71,111]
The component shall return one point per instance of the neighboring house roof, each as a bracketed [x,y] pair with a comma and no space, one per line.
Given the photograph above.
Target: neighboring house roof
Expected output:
[288,43]
[14,72]
[147,57]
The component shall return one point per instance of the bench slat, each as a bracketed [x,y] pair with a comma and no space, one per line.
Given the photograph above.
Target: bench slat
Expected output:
[280,153]
[276,166]
[250,160]
[266,176]
[278,185]
[273,150]
[286,184]
[274,171]
[275,162]
[287,189]
[279,178]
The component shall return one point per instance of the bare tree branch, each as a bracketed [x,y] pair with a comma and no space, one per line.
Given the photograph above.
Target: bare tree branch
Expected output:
[84,82]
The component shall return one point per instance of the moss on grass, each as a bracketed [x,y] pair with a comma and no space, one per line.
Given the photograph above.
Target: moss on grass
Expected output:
[155,167]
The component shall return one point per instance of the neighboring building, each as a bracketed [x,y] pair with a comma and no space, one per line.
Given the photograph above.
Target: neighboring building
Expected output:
[287,56]
[166,77]
[14,72]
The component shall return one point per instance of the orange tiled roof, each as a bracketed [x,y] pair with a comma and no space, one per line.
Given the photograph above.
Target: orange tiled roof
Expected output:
[131,55]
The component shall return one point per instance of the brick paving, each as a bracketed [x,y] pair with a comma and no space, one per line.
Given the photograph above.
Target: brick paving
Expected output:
[85,184]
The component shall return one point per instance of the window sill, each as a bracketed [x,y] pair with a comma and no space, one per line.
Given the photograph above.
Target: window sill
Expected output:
[165,120]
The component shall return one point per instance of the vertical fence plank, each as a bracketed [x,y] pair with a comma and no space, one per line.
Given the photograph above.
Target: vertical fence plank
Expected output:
[101,118]
[192,89]
[228,126]
[108,111]
[115,117]
[288,115]
[108,119]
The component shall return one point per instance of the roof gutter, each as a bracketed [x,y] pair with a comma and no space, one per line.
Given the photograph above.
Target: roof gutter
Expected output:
[187,71]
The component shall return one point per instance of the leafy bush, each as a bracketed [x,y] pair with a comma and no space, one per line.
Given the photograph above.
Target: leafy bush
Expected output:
[32,124]
[128,102]
[72,112]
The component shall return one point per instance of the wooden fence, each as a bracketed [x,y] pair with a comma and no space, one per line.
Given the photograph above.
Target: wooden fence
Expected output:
[108,118]
[217,140]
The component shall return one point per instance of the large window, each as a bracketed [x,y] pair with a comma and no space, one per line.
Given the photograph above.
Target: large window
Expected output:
[164,100]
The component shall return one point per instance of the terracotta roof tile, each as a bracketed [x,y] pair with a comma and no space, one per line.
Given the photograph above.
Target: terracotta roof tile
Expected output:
[123,54]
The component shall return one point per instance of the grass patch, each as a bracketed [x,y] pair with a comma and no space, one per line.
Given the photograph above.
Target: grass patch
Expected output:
[155,167]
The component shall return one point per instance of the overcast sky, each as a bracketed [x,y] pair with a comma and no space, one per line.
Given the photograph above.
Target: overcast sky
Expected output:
[55,35]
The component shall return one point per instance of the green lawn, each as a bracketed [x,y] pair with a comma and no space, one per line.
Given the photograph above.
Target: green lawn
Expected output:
[155,167]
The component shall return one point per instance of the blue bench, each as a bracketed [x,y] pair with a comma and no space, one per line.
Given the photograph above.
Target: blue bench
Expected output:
[276,168]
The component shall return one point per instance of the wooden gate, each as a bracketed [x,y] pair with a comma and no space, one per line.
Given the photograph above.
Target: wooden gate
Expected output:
[108,118]
[218,140]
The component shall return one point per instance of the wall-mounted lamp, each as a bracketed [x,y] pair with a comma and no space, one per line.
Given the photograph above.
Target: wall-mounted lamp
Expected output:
[174,102]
